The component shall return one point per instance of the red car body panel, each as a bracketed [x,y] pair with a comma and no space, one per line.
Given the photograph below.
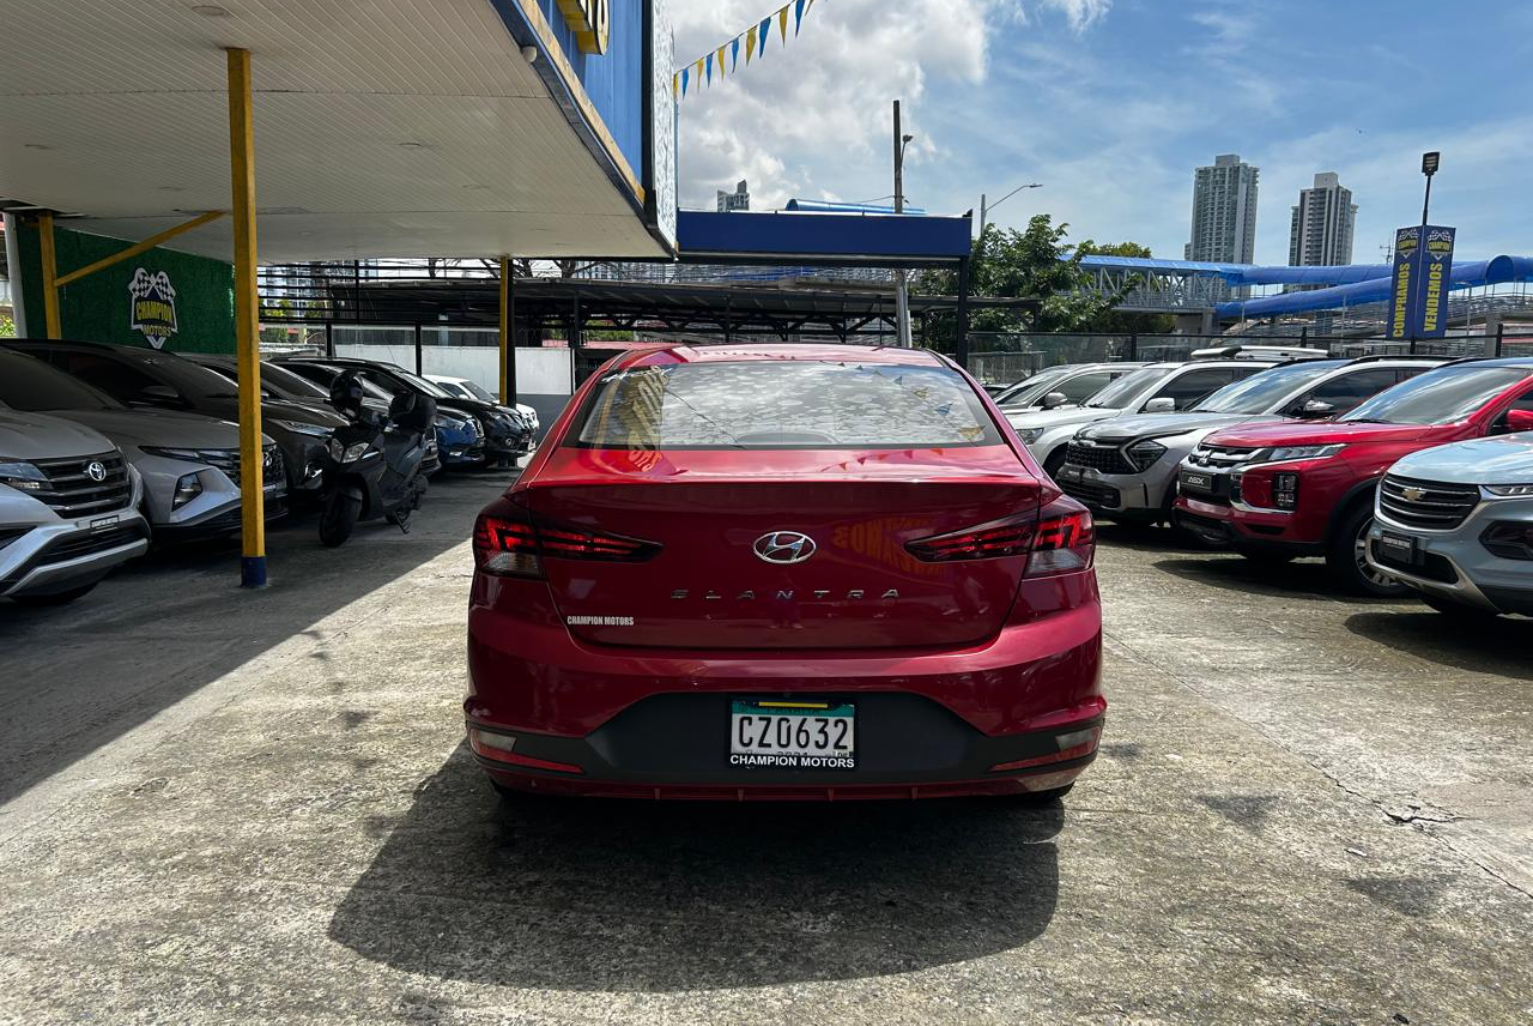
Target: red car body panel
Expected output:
[992,657]
[1327,485]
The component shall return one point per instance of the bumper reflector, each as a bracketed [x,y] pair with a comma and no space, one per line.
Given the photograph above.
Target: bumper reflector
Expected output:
[1077,744]
[500,748]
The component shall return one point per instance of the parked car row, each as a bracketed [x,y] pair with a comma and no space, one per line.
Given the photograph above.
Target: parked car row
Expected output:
[1407,475]
[104,448]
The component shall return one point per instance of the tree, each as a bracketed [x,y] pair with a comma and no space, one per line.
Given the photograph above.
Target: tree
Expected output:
[1036,263]
[1115,322]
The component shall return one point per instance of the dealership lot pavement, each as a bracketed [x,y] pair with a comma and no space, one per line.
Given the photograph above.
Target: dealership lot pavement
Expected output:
[221,807]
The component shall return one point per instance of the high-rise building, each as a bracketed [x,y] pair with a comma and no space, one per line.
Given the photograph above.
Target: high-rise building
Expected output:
[1224,212]
[740,199]
[1320,234]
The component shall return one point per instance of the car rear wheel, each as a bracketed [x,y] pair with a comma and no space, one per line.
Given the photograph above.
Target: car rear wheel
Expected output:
[1347,558]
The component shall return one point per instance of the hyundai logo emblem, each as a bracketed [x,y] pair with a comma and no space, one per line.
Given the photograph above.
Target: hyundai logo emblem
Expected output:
[784,547]
[96,471]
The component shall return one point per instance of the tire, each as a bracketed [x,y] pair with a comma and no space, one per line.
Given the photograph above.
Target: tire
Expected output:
[339,517]
[1458,610]
[1033,799]
[1344,556]
[1056,459]
[56,598]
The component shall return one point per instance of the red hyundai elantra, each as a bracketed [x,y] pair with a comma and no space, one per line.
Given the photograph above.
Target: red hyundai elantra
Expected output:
[784,572]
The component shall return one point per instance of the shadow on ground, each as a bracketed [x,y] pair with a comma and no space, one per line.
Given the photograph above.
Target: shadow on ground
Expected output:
[75,678]
[649,897]
[1496,646]
[1306,579]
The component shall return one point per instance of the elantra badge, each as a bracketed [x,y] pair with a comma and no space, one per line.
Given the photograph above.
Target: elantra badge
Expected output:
[784,547]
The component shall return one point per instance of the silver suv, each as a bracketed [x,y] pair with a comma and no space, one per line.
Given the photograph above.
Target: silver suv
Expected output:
[1066,384]
[189,463]
[1126,468]
[1154,388]
[1455,523]
[67,509]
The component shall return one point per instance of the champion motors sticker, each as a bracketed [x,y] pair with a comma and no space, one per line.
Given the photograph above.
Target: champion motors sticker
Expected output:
[599,621]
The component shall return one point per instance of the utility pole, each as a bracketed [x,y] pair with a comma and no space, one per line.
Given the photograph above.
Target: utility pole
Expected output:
[901,295]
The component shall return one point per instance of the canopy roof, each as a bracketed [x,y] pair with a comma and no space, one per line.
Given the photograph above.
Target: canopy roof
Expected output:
[383,128]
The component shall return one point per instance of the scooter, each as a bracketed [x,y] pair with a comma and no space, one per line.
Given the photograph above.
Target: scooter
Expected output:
[372,467]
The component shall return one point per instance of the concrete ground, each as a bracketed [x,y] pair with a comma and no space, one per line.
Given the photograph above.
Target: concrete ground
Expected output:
[256,808]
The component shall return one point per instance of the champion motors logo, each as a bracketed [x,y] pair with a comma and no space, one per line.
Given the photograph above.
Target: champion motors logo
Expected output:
[784,547]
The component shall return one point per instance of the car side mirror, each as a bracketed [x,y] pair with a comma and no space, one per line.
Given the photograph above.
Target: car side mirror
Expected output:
[1518,421]
[1316,409]
[1054,400]
[1164,404]
[158,395]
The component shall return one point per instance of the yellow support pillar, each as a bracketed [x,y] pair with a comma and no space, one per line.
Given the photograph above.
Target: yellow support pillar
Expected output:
[507,353]
[246,326]
[50,276]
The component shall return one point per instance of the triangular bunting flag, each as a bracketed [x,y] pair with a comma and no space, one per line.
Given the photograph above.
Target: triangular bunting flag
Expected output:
[782,23]
[721,61]
[764,30]
[750,44]
[798,15]
[686,73]
[709,60]
[675,85]
[734,53]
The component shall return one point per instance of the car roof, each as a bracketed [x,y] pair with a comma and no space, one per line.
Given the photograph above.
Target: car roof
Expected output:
[808,352]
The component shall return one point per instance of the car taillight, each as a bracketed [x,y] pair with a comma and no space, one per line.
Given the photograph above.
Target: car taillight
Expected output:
[513,543]
[1061,540]
[1066,540]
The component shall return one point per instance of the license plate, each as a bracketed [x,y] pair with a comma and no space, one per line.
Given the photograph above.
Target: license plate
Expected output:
[1200,482]
[1397,548]
[102,523]
[793,735]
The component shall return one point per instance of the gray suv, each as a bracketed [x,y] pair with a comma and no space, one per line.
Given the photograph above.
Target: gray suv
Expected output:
[189,463]
[68,509]
[1067,384]
[151,378]
[1126,468]
[1455,523]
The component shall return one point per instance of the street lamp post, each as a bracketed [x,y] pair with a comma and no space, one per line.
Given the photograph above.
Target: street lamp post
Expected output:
[901,295]
[985,208]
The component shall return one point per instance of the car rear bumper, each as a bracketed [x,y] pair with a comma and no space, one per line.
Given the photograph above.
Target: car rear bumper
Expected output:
[655,723]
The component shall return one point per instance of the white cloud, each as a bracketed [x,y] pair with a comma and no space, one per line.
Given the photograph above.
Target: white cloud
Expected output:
[814,118]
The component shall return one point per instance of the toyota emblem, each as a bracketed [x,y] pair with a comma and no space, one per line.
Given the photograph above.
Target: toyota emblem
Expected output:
[784,547]
[96,471]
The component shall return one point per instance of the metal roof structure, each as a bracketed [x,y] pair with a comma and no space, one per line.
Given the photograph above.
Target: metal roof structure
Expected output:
[578,305]
[382,127]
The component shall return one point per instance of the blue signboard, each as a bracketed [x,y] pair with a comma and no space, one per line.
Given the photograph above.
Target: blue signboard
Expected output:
[1436,268]
[1404,295]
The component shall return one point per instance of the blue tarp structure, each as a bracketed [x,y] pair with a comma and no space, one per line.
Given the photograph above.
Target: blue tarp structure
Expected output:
[799,206]
[1344,285]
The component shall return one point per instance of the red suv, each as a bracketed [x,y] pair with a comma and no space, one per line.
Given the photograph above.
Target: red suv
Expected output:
[1306,489]
[784,572]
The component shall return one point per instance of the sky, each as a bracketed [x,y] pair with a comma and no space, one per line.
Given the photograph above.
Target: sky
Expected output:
[1112,104]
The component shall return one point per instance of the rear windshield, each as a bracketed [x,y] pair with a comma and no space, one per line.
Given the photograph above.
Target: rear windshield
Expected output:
[789,404]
